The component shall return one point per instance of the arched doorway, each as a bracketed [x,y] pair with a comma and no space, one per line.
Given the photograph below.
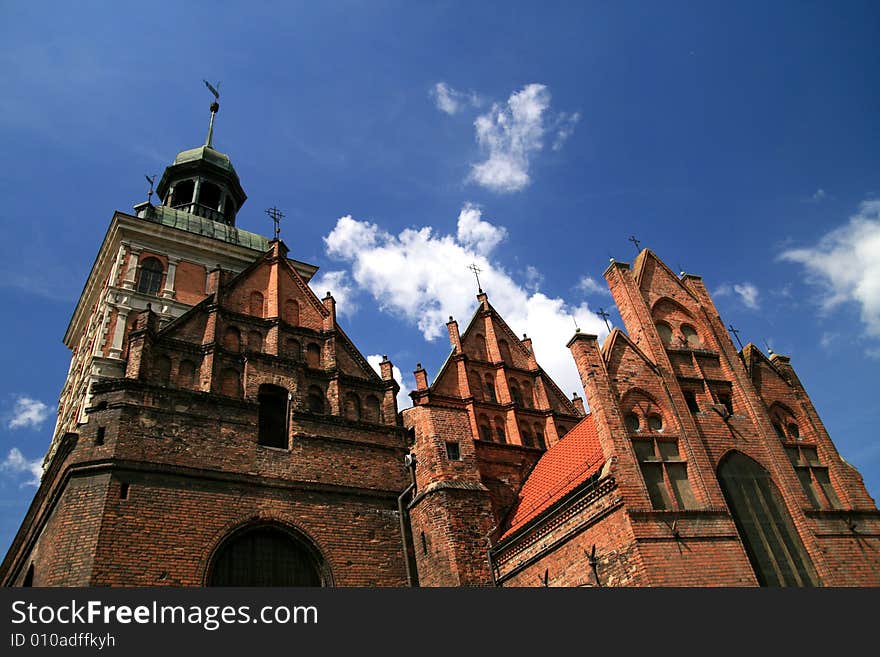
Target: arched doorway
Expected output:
[265,555]
[774,548]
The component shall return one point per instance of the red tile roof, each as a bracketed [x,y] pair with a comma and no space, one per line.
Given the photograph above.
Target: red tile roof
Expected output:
[562,468]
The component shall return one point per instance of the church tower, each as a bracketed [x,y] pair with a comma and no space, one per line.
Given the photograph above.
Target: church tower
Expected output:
[218,426]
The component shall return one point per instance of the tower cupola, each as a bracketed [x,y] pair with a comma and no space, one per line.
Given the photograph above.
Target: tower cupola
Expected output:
[202,180]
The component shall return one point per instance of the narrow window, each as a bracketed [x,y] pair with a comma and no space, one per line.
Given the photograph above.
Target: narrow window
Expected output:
[230,383]
[793,431]
[372,409]
[313,356]
[256,303]
[453,451]
[480,348]
[515,394]
[352,407]
[665,474]
[665,332]
[526,437]
[315,400]
[490,388]
[691,398]
[504,350]
[424,544]
[725,400]
[209,195]
[99,436]
[272,416]
[232,339]
[291,312]
[632,422]
[539,437]
[813,476]
[255,341]
[150,277]
[183,193]
[499,430]
[123,491]
[292,349]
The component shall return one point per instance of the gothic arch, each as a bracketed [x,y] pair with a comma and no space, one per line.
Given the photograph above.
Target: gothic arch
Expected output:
[281,555]
[676,306]
[773,546]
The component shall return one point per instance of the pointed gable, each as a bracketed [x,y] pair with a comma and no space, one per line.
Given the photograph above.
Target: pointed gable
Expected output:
[655,280]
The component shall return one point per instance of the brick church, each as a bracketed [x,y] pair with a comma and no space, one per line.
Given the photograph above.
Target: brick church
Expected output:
[219,428]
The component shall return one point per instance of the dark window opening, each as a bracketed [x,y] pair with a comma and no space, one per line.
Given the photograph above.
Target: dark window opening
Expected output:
[424,544]
[183,193]
[209,195]
[793,431]
[665,474]
[352,407]
[772,544]
[264,556]
[691,398]
[665,332]
[453,451]
[230,383]
[539,437]
[499,430]
[150,277]
[255,341]
[272,416]
[485,433]
[490,389]
[99,436]
[373,409]
[504,351]
[515,394]
[315,400]
[232,339]
[292,349]
[526,438]
[655,423]
[725,400]
[813,476]
[632,422]
[123,491]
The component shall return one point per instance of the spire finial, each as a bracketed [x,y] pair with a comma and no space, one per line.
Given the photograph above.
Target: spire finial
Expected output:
[632,238]
[604,315]
[215,107]
[277,216]
[151,180]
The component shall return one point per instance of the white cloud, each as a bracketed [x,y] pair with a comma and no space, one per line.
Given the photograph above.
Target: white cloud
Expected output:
[16,462]
[474,233]
[450,101]
[827,339]
[28,412]
[564,128]
[589,285]
[510,134]
[845,265]
[819,195]
[534,278]
[423,278]
[403,400]
[336,282]
[747,292]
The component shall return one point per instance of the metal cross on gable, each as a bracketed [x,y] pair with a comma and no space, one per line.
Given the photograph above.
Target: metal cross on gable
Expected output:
[473,267]
[277,216]
[735,332]
[632,238]
[604,315]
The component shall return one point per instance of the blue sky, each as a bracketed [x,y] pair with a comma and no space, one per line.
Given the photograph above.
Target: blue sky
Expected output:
[740,141]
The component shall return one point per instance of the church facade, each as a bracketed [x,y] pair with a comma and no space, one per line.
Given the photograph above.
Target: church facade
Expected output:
[218,427]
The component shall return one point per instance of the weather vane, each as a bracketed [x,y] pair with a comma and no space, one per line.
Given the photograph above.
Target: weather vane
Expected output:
[473,267]
[277,216]
[215,106]
[151,180]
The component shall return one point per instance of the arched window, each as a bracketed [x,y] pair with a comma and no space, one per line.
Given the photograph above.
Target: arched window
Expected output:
[515,394]
[313,355]
[499,430]
[632,422]
[793,432]
[162,370]
[480,347]
[655,423]
[475,385]
[255,341]
[150,277]
[539,437]
[256,304]
[272,416]
[230,382]
[779,430]
[232,339]
[691,336]
[291,312]
[186,374]
[315,400]
[372,409]
[265,556]
[292,349]
[485,429]
[352,407]
[665,473]
[526,437]
[504,349]
[772,544]
[183,193]
[665,332]
[527,395]
[490,388]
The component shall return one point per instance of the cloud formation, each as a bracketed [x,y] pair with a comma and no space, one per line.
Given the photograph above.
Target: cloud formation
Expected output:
[451,101]
[589,285]
[28,412]
[747,292]
[845,265]
[423,278]
[15,462]
[510,134]
[338,285]
[403,400]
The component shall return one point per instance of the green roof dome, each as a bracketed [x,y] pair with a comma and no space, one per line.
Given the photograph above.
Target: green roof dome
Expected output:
[204,153]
